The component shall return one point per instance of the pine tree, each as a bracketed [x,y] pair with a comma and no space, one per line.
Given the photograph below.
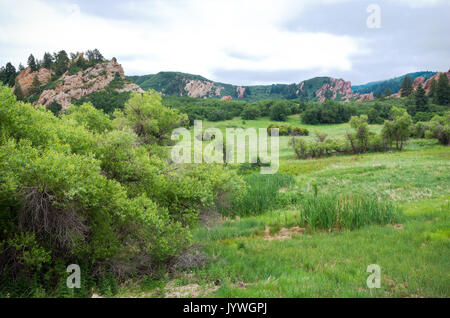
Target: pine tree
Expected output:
[18,91]
[432,88]
[32,63]
[35,86]
[443,90]
[407,87]
[421,99]
[10,74]
[379,95]
[61,63]
[47,61]
[387,92]
[21,67]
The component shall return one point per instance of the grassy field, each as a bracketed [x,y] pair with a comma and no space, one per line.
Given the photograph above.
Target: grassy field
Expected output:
[274,254]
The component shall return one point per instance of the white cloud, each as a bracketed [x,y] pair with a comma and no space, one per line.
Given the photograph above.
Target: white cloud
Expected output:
[195,36]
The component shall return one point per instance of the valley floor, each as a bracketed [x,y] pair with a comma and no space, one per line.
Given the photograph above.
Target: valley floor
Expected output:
[271,256]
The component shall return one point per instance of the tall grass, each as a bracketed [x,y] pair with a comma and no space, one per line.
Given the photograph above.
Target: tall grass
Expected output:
[335,212]
[262,194]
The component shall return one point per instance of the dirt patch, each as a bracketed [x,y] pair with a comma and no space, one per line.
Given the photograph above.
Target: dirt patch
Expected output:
[190,290]
[398,226]
[282,234]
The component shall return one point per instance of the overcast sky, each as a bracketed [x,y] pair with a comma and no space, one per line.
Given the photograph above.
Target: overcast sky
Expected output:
[237,41]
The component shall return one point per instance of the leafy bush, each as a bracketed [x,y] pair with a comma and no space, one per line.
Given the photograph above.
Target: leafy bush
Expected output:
[250,112]
[279,111]
[288,130]
[86,114]
[397,130]
[329,112]
[80,189]
[439,127]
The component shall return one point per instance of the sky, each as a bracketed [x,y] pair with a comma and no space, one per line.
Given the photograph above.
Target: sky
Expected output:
[241,42]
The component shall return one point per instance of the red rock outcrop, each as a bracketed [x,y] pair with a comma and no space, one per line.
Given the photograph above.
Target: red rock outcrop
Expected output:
[227,98]
[418,80]
[427,84]
[84,83]
[365,97]
[240,91]
[199,88]
[26,78]
[336,86]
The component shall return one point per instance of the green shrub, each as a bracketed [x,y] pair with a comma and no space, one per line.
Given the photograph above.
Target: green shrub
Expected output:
[288,130]
[78,189]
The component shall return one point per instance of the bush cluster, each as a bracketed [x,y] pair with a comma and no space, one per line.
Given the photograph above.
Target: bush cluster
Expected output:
[288,130]
[82,188]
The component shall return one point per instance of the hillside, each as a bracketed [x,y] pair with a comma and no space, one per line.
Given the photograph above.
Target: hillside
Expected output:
[101,82]
[314,89]
[393,83]
[182,84]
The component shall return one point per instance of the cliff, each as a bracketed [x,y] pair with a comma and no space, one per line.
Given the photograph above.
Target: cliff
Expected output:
[85,82]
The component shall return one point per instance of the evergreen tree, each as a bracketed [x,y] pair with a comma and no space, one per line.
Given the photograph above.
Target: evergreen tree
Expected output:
[379,95]
[98,56]
[407,87]
[10,74]
[421,99]
[61,63]
[2,75]
[387,92]
[47,61]
[432,88]
[21,67]
[35,86]
[32,63]
[443,90]
[18,91]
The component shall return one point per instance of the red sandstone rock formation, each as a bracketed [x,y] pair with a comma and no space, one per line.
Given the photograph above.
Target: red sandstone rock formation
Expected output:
[26,78]
[84,83]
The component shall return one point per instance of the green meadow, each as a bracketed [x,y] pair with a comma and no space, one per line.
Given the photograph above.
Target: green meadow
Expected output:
[313,229]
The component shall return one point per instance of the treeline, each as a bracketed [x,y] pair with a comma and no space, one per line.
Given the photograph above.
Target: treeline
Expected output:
[98,191]
[389,86]
[421,106]
[394,135]
[217,110]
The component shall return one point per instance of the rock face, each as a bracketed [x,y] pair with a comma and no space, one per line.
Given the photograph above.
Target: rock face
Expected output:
[240,91]
[198,88]
[418,80]
[84,83]
[427,84]
[26,78]
[226,98]
[333,88]
[365,97]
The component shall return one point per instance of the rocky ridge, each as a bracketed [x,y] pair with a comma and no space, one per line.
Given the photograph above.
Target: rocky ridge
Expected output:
[85,82]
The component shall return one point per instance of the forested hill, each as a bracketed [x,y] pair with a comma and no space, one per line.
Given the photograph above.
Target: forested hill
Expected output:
[182,84]
[393,84]
[314,89]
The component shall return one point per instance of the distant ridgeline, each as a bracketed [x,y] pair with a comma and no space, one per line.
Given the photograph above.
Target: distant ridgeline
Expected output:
[182,84]
[314,89]
[393,84]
